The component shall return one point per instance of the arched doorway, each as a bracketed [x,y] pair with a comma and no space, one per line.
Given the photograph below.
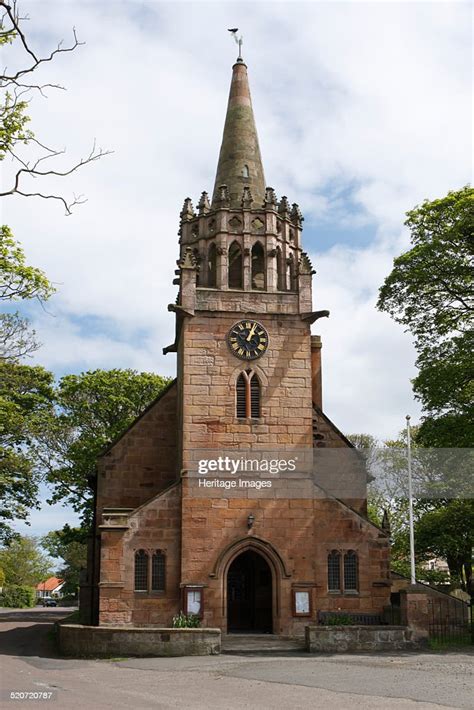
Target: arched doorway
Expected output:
[249,594]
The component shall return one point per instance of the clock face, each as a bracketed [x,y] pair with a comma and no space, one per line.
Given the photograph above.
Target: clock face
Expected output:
[248,340]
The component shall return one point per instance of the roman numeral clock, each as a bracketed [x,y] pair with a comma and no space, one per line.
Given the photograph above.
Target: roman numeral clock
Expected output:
[247,339]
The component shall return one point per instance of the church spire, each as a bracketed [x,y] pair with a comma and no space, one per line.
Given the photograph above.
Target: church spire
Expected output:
[240,162]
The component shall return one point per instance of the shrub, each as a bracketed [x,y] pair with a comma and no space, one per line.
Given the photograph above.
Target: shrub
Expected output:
[339,620]
[18,596]
[68,599]
[181,621]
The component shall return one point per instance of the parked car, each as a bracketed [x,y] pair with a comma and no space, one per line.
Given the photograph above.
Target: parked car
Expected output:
[50,602]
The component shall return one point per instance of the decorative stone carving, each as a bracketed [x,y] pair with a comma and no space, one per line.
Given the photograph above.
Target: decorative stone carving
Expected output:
[203,204]
[187,212]
[270,199]
[257,224]
[272,253]
[296,214]
[235,223]
[247,199]
[212,226]
[284,207]
[224,198]
[305,265]
[188,261]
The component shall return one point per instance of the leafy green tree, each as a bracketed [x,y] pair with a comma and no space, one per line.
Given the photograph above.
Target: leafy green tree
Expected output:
[431,292]
[448,532]
[445,385]
[24,563]
[18,596]
[69,545]
[18,282]
[443,527]
[27,157]
[430,289]
[92,409]
[26,392]
[26,403]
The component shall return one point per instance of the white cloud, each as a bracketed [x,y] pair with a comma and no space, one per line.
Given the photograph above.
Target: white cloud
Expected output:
[367,360]
[363,110]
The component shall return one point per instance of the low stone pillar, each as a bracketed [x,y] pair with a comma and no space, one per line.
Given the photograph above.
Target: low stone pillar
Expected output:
[414,610]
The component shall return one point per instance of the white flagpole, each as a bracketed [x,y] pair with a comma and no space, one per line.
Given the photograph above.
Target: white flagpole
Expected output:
[410,505]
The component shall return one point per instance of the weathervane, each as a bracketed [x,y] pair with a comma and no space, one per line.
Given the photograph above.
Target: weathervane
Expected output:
[238,40]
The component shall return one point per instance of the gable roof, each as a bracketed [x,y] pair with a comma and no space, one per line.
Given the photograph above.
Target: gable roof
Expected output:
[50,584]
[320,413]
[115,441]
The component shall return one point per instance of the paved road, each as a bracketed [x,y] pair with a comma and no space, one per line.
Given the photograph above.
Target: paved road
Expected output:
[295,681]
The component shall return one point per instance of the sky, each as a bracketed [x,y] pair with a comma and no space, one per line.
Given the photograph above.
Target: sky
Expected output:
[363,110]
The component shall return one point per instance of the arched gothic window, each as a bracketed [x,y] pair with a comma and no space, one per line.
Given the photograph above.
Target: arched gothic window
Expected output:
[197,256]
[247,395]
[150,571]
[280,270]
[258,267]
[351,581]
[141,571]
[290,273]
[245,171]
[235,266]
[212,266]
[158,567]
[334,571]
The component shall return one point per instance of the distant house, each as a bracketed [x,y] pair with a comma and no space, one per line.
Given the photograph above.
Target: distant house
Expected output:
[438,564]
[50,588]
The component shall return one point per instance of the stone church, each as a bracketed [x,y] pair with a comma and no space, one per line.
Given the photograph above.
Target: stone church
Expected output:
[248,379]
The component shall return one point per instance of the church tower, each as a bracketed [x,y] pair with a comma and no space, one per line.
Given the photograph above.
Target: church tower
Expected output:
[244,306]
[248,382]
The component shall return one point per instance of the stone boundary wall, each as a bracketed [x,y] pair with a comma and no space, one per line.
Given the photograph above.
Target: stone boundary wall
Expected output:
[103,641]
[353,639]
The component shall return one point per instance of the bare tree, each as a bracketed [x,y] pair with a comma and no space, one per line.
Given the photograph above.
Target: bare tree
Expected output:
[18,87]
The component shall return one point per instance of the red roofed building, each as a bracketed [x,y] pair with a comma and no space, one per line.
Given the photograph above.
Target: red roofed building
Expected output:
[49,588]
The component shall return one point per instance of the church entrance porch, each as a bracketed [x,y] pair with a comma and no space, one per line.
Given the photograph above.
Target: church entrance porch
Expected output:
[249,594]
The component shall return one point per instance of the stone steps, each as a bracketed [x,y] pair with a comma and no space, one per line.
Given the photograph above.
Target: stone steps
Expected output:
[251,644]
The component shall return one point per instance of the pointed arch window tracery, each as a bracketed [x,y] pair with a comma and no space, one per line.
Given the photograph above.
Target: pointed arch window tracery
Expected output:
[280,270]
[235,266]
[290,273]
[248,395]
[212,266]
[258,267]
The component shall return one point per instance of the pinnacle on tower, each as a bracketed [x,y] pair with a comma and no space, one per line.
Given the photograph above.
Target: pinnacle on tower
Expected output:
[187,212]
[240,162]
[203,204]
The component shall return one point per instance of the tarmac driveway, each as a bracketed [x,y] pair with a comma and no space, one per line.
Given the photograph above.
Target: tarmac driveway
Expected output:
[296,680]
